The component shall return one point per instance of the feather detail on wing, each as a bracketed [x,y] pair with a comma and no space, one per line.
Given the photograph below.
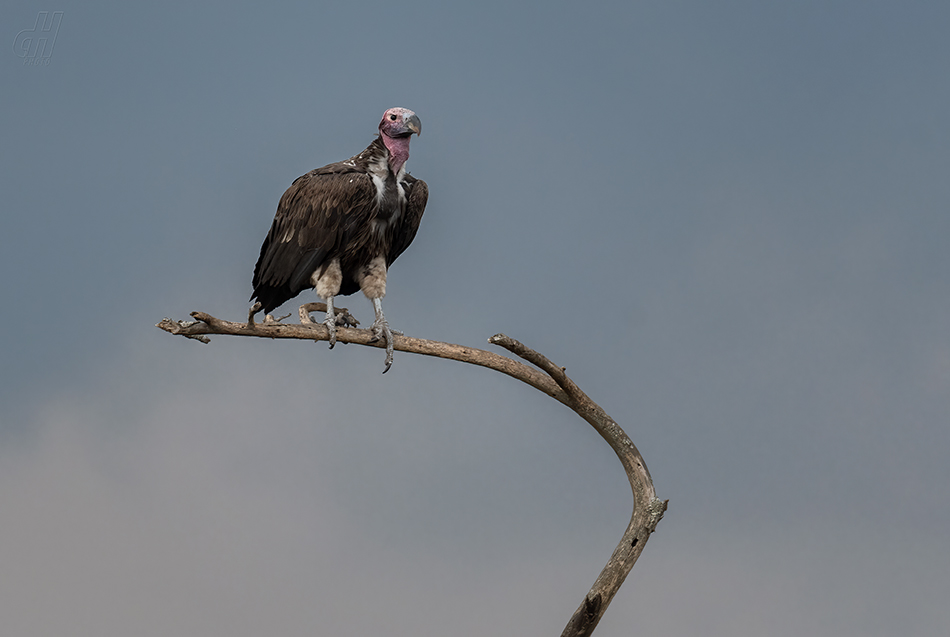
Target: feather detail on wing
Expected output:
[315,216]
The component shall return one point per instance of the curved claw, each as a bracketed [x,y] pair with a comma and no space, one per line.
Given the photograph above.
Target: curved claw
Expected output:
[381,330]
[389,351]
[345,319]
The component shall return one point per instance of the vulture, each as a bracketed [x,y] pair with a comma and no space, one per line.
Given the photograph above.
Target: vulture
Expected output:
[338,228]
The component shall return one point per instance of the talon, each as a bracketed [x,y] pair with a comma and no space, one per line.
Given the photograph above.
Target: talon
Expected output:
[330,322]
[389,349]
[381,331]
[345,319]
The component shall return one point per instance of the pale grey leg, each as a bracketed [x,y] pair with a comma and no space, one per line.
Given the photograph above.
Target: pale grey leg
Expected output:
[381,330]
[330,321]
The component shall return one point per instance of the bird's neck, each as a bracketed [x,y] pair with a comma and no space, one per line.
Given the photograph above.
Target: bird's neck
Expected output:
[398,148]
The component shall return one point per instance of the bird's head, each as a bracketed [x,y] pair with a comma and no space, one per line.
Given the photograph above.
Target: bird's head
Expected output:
[396,127]
[400,122]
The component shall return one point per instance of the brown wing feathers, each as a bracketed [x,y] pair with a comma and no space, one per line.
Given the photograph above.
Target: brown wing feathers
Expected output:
[310,224]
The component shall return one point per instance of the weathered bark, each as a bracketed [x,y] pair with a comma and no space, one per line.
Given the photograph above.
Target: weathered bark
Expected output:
[547,378]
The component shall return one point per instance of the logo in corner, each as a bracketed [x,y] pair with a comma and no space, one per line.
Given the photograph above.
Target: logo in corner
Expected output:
[35,45]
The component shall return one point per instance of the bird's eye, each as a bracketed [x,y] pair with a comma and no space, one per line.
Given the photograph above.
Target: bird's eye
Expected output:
[392,118]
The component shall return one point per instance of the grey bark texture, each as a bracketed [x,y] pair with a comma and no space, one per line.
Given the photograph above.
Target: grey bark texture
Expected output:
[544,376]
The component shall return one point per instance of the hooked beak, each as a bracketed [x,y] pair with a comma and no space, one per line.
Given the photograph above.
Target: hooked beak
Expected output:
[414,124]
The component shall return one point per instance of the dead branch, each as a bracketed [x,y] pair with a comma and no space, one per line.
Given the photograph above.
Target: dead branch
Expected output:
[547,378]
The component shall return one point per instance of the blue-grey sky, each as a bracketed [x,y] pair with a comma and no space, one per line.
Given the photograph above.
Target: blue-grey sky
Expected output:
[728,220]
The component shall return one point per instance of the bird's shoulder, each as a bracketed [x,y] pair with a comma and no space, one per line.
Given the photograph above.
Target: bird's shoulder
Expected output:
[415,184]
[417,195]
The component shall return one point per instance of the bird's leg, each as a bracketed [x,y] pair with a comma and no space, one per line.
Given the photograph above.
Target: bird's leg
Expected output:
[330,321]
[372,280]
[326,280]
[381,330]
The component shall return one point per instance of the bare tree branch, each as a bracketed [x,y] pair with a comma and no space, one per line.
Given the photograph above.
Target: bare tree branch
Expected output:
[547,378]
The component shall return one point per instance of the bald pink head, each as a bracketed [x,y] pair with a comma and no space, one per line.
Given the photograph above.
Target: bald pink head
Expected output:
[396,127]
